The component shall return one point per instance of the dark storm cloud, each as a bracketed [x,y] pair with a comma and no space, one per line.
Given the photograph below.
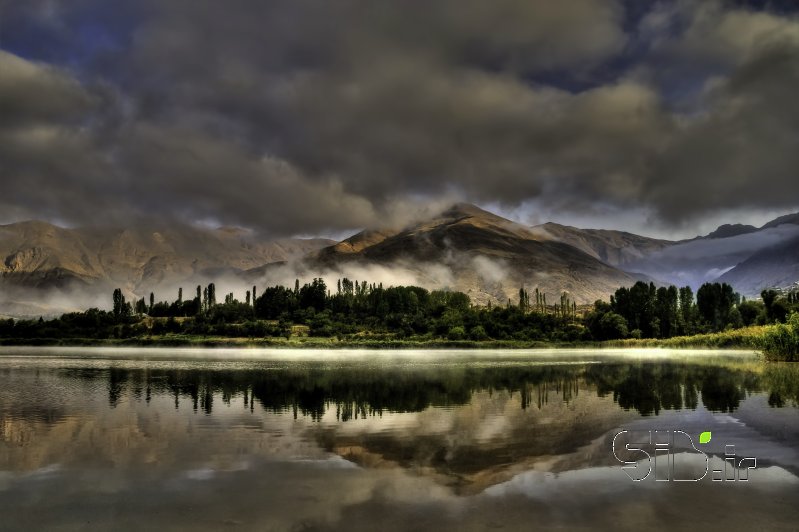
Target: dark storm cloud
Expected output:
[48,151]
[310,115]
[739,145]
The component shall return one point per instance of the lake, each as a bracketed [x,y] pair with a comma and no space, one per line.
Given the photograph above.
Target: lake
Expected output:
[175,439]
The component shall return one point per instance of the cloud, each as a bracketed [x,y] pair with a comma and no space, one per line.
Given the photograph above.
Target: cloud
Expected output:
[181,169]
[310,116]
[742,149]
[38,92]
[714,32]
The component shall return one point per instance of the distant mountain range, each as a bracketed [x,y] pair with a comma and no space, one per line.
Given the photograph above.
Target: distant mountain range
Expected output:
[47,269]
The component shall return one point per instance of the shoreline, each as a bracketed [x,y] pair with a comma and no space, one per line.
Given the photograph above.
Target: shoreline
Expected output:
[720,341]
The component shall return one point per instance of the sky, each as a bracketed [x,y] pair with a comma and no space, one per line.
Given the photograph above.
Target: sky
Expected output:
[319,117]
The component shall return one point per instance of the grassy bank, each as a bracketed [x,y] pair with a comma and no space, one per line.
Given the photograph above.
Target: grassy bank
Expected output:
[778,343]
[745,338]
[177,340]
[748,338]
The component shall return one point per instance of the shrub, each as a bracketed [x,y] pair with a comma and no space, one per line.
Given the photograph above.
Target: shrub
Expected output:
[456,333]
[613,326]
[478,333]
[781,341]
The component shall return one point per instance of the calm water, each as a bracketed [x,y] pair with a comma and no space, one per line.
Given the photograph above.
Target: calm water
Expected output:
[314,440]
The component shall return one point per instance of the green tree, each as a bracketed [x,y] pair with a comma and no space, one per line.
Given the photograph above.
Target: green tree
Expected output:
[714,302]
[750,310]
[211,296]
[119,303]
[637,305]
[478,333]
[524,299]
[779,311]
[688,311]
[613,326]
[456,333]
[769,297]
[666,311]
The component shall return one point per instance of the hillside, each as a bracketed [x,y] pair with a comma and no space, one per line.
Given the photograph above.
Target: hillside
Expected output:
[616,248]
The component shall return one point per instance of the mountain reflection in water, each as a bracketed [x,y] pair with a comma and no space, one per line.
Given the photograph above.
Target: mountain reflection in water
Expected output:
[434,441]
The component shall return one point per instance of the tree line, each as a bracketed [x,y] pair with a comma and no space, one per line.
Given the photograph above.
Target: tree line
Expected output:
[353,309]
[647,311]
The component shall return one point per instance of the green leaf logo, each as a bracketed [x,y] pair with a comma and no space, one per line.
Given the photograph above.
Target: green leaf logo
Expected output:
[704,437]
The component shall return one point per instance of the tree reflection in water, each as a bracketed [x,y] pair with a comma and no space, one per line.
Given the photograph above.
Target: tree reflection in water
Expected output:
[357,392]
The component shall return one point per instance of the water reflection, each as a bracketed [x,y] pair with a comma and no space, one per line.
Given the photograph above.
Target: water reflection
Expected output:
[275,444]
[356,392]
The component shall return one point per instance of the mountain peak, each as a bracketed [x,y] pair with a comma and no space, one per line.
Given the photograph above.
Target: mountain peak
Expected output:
[787,219]
[461,210]
[728,230]
[31,225]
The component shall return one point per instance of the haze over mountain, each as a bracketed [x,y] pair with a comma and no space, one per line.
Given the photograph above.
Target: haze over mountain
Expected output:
[47,269]
[776,265]
[701,260]
[750,258]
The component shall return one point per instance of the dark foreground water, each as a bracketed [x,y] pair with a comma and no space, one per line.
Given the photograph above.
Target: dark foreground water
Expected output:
[315,440]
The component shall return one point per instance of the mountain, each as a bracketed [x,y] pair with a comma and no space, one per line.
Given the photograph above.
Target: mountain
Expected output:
[783,220]
[616,248]
[748,257]
[477,252]
[66,268]
[774,266]
[728,230]
[702,260]
[46,269]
